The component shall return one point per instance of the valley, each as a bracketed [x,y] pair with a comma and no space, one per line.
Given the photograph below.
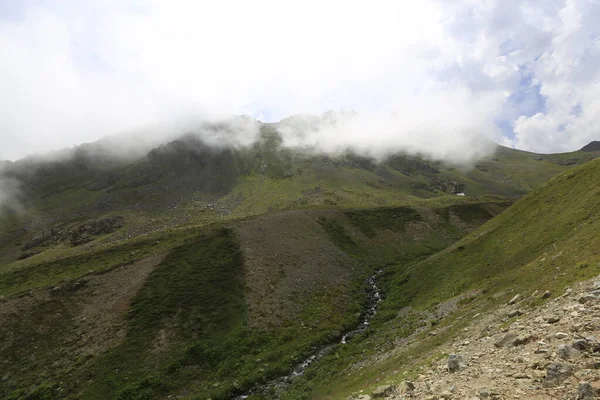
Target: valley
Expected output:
[197,272]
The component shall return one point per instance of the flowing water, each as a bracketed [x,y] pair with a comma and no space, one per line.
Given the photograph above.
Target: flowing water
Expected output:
[282,383]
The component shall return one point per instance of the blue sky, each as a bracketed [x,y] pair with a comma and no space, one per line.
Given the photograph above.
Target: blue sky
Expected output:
[525,73]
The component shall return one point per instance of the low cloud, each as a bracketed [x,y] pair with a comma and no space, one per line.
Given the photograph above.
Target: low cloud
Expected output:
[451,126]
[423,73]
[9,196]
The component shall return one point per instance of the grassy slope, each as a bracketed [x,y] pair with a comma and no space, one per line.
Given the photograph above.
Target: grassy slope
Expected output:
[180,184]
[545,241]
[187,329]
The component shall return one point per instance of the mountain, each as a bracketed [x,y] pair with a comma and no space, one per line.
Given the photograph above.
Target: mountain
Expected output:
[196,270]
[546,242]
[188,181]
[592,146]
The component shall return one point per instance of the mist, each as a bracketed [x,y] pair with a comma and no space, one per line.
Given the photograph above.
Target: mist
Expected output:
[426,77]
[9,196]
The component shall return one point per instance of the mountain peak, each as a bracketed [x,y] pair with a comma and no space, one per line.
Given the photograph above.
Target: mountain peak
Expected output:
[592,146]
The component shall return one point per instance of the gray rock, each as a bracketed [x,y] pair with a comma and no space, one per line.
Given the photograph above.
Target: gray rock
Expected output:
[446,395]
[506,339]
[557,372]
[552,319]
[546,294]
[455,363]
[485,393]
[524,339]
[586,392]
[567,352]
[586,298]
[561,335]
[383,391]
[581,345]
[515,313]
[593,365]
[405,387]
[514,299]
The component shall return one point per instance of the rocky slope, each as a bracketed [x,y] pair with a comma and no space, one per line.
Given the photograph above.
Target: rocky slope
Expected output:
[549,352]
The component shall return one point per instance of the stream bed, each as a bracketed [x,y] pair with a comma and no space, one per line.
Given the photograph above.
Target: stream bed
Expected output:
[277,386]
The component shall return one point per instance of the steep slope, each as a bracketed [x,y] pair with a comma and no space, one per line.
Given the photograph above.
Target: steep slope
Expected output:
[206,311]
[186,181]
[592,146]
[545,242]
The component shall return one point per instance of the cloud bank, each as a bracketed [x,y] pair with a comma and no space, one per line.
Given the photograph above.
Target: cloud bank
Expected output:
[524,73]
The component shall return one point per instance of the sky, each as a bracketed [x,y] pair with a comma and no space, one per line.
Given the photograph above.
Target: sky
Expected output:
[524,73]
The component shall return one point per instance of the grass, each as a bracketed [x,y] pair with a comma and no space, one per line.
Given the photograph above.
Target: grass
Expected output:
[187,331]
[546,241]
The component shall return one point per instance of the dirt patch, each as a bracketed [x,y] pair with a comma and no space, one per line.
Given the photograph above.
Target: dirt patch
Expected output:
[95,307]
[287,255]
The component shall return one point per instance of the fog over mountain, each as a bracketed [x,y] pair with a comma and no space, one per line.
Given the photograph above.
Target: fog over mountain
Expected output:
[524,73]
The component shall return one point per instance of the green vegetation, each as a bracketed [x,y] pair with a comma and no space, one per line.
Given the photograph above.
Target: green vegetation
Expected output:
[188,329]
[546,241]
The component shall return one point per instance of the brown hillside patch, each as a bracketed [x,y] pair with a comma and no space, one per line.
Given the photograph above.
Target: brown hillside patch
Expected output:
[285,254]
[82,317]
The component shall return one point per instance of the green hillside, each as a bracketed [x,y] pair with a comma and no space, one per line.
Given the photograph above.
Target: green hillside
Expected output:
[545,241]
[186,182]
[191,311]
[200,272]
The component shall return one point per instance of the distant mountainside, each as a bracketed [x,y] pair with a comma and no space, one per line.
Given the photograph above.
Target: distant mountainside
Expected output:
[187,181]
[592,146]
[196,270]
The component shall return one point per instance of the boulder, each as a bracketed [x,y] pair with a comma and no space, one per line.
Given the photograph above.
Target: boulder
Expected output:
[567,352]
[405,388]
[586,392]
[587,298]
[446,395]
[546,294]
[581,345]
[557,372]
[515,313]
[455,363]
[383,391]
[523,339]
[506,339]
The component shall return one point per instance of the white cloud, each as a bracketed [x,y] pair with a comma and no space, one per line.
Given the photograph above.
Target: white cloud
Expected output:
[75,71]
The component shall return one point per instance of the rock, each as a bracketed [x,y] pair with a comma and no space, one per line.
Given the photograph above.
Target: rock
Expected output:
[515,313]
[546,294]
[485,393]
[446,395]
[593,365]
[587,298]
[514,299]
[405,387]
[586,392]
[581,345]
[557,372]
[567,352]
[561,335]
[383,391]
[455,363]
[506,339]
[552,319]
[523,340]
[363,397]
